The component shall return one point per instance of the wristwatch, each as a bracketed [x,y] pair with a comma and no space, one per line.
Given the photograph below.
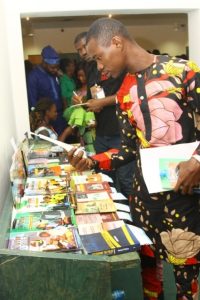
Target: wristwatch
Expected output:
[95,164]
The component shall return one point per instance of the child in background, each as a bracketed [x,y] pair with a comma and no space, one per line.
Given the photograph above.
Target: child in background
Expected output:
[40,120]
[78,117]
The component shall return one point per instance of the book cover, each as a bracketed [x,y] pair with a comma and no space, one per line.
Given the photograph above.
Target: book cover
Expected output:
[99,206]
[30,221]
[169,172]
[88,218]
[109,217]
[91,178]
[38,161]
[43,202]
[86,197]
[116,241]
[58,239]
[45,186]
[93,187]
[44,170]
[96,218]
[90,228]
[66,169]
[77,173]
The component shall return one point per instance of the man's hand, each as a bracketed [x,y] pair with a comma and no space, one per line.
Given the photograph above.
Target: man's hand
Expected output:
[95,105]
[189,176]
[78,162]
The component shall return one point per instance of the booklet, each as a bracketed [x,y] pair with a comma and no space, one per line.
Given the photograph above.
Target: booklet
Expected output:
[94,207]
[58,239]
[150,162]
[86,197]
[169,172]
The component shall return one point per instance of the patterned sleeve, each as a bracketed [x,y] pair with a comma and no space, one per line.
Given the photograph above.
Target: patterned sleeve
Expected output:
[114,158]
[192,87]
[127,150]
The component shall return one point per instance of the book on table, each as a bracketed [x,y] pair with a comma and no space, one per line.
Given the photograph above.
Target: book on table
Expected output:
[58,239]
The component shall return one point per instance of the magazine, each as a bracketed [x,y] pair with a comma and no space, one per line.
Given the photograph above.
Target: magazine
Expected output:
[58,239]
[96,218]
[43,202]
[99,206]
[93,187]
[86,197]
[30,221]
[45,186]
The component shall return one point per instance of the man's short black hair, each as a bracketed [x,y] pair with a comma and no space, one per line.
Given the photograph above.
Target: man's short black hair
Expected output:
[80,37]
[104,29]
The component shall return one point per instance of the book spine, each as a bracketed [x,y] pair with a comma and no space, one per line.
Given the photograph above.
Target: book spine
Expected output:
[73,217]
[117,251]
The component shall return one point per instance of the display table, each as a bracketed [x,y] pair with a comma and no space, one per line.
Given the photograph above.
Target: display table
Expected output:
[26,275]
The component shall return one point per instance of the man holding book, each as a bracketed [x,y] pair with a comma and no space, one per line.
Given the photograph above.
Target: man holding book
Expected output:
[156,105]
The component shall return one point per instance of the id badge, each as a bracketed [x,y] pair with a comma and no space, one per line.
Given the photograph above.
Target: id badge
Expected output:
[97,92]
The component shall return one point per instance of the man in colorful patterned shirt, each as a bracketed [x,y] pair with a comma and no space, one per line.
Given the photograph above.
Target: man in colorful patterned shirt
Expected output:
[156,105]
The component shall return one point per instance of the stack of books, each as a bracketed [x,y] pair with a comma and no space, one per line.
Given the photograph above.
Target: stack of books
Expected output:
[60,209]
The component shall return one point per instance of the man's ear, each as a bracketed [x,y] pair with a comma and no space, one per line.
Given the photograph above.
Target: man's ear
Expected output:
[117,42]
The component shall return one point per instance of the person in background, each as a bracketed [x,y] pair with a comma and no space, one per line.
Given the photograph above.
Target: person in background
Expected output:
[41,118]
[156,52]
[78,117]
[42,82]
[67,82]
[81,77]
[28,67]
[104,107]
[156,106]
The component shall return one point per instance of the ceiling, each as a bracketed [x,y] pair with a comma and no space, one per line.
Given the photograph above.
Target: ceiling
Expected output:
[85,21]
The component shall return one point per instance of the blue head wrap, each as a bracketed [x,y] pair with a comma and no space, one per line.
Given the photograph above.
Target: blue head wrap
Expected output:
[50,56]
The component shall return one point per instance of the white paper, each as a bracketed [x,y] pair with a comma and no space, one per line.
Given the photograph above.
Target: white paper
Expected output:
[122,207]
[150,162]
[140,235]
[13,143]
[113,190]
[124,216]
[106,178]
[79,104]
[118,196]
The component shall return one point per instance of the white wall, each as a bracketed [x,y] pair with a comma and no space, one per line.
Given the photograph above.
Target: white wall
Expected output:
[162,37]
[194,35]
[7,119]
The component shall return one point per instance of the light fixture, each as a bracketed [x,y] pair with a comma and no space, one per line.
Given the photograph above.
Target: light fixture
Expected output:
[179,27]
[110,16]
[31,34]
[27,18]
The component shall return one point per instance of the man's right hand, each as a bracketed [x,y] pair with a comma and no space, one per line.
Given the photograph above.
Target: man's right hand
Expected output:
[78,162]
[76,99]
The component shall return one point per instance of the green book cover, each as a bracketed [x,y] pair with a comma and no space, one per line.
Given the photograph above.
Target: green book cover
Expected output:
[169,172]
[41,220]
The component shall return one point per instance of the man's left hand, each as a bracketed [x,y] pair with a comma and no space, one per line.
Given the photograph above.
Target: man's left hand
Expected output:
[189,176]
[95,105]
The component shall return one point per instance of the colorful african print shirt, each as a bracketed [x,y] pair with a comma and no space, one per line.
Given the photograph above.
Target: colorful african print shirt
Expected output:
[156,107]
